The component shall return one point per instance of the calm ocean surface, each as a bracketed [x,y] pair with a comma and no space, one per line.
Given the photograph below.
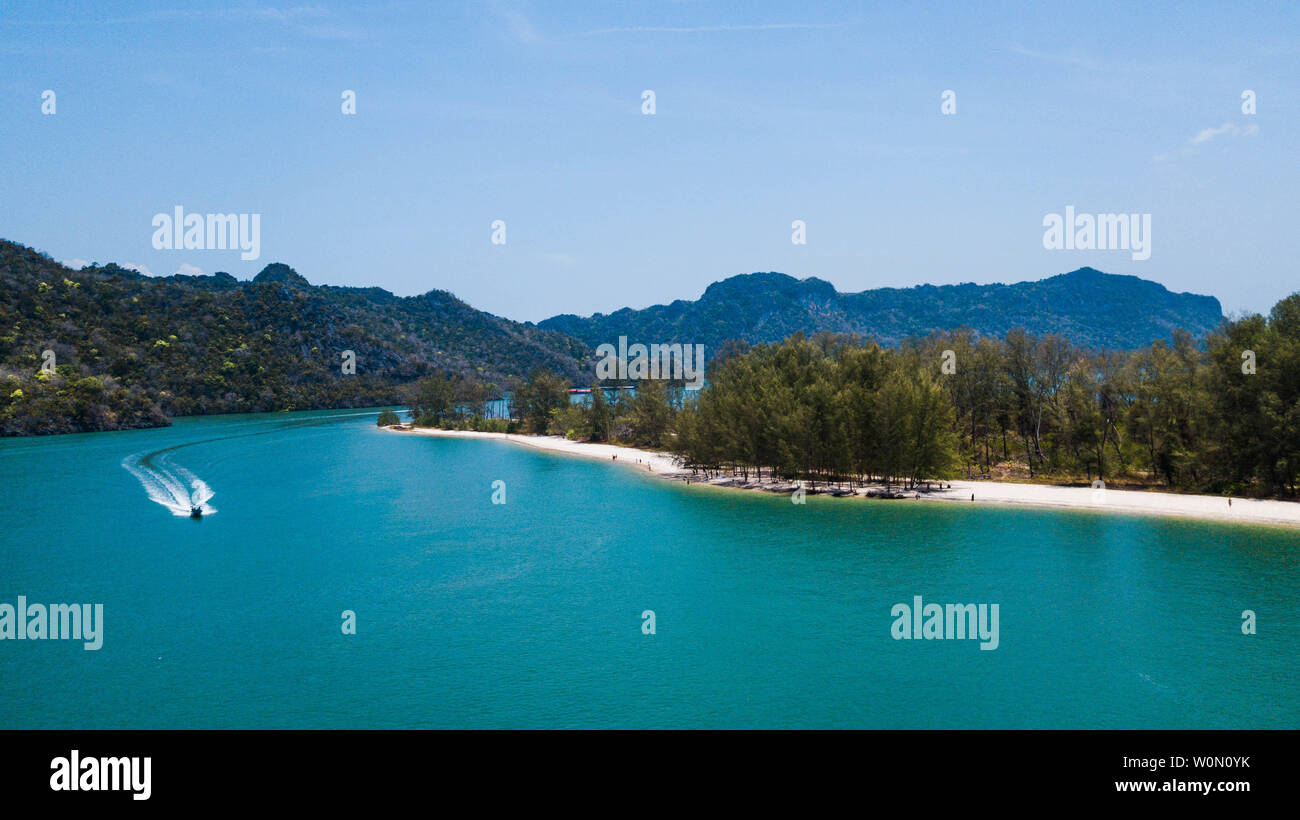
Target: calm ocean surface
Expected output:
[528,614]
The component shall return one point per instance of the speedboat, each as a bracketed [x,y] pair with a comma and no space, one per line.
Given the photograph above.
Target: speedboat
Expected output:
[196,512]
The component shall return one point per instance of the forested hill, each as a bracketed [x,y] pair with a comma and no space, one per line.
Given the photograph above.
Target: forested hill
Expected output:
[131,349]
[1089,308]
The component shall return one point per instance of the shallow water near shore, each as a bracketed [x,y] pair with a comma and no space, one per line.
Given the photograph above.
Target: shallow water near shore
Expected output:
[528,613]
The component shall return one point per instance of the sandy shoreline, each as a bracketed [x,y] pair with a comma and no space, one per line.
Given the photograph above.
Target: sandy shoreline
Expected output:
[1286,513]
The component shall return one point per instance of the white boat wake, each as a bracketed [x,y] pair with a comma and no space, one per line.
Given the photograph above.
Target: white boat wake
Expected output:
[175,488]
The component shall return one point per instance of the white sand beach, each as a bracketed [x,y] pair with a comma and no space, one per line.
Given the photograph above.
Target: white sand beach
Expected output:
[1127,501]
[665,465]
[662,463]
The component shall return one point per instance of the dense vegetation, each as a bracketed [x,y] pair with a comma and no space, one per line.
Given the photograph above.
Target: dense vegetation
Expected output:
[453,401]
[107,348]
[1090,308]
[540,404]
[822,409]
[1219,417]
[130,350]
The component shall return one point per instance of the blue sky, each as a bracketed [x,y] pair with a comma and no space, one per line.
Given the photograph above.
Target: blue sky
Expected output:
[468,112]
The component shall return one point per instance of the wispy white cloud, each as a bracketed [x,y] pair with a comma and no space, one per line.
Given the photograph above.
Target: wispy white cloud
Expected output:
[186,269]
[309,21]
[331,32]
[286,15]
[1207,134]
[704,29]
[515,22]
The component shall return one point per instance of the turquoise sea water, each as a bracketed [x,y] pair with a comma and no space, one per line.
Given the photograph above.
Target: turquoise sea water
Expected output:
[528,614]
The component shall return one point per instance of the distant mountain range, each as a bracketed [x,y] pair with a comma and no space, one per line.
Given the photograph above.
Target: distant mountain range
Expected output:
[1090,308]
[128,350]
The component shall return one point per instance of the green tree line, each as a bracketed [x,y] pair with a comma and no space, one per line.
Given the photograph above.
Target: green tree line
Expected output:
[540,404]
[1222,416]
